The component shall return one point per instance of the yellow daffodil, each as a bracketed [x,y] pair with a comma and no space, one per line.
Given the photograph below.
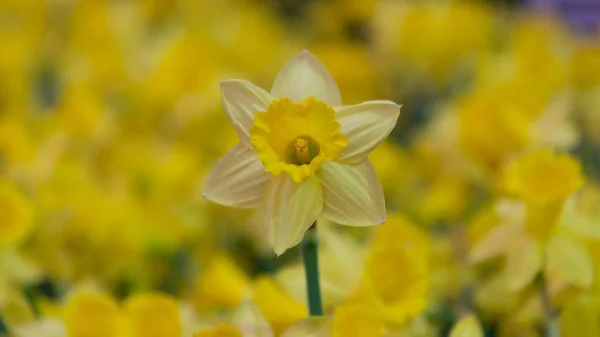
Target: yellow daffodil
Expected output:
[94,315]
[221,330]
[467,326]
[562,255]
[341,258]
[153,315]
[301,153]
[223,284]
[358,321]
[396,297]
[279,308]
[543,180]
[16,214]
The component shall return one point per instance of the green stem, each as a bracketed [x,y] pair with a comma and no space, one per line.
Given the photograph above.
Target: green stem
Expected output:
[311,266]
[552,328]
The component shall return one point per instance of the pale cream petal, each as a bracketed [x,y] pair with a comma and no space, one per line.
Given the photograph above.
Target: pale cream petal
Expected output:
[238,179]
[495,243]
[290,209]
[366,125]
[310,327]
[250,321]
[352,194]
[467,326]
[304,76]
[241,100]
[523,261]
[570,260]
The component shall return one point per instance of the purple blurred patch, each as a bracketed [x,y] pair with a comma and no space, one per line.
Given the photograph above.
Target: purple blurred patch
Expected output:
[582,15]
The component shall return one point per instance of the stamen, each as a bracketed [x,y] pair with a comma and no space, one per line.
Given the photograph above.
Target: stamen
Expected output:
[302,151]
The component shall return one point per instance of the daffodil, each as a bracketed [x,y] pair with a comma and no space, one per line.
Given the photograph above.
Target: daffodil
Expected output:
[153,315]
[94,315]
[543,180]
[301,153]
[467,326]
[221,330]
[16,214]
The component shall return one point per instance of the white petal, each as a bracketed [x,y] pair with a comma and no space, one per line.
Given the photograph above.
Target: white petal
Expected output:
[291,209]
[238,179]
[241,100]
[304,76]
[352,194]
[366,125]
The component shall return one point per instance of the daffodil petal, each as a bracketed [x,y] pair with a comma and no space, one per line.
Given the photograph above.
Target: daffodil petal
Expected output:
[467,326]
[304,76]
[571,261]
[365,125]
[238,179]
[523,261]
[311,326]
[241,100]
[291,209]
[494,243]
[352,194]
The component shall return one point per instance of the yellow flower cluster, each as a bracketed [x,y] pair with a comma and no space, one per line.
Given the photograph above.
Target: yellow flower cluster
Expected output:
[444,153]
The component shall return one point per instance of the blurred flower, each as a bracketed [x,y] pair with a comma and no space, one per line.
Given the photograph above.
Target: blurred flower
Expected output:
[94,315]
[299,139]
[356,320]
[341,260]
[396,297]
[279,308]
[579,316]
[562,255]
[543,181]
[222,284]
[16,214]
[153,315]
[443,42]
[221,330]
[467,326]
[585,64]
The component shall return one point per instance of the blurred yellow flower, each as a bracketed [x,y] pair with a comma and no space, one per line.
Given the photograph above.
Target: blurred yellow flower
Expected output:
[400,232]
[356,321]
[90,314]
[489,130]
[449,33]
[16,144]
[222,284]
[397,297]
[279,308]
[16,214]
[585,64]
[579,315]
[562,255]
[221,330]
[315,326]
[467,326]
[299,144]
[543,180]
[341,258]
[153,315]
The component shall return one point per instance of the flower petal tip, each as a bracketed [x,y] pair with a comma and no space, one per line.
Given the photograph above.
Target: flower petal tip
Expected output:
[305,52]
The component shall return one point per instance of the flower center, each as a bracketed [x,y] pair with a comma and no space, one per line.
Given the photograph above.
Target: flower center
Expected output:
[302,150]
[295,138]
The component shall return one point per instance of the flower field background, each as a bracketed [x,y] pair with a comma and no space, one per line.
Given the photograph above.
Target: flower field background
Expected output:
[111,120]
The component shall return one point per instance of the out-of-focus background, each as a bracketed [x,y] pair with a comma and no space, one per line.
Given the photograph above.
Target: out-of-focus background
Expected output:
[110,120]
